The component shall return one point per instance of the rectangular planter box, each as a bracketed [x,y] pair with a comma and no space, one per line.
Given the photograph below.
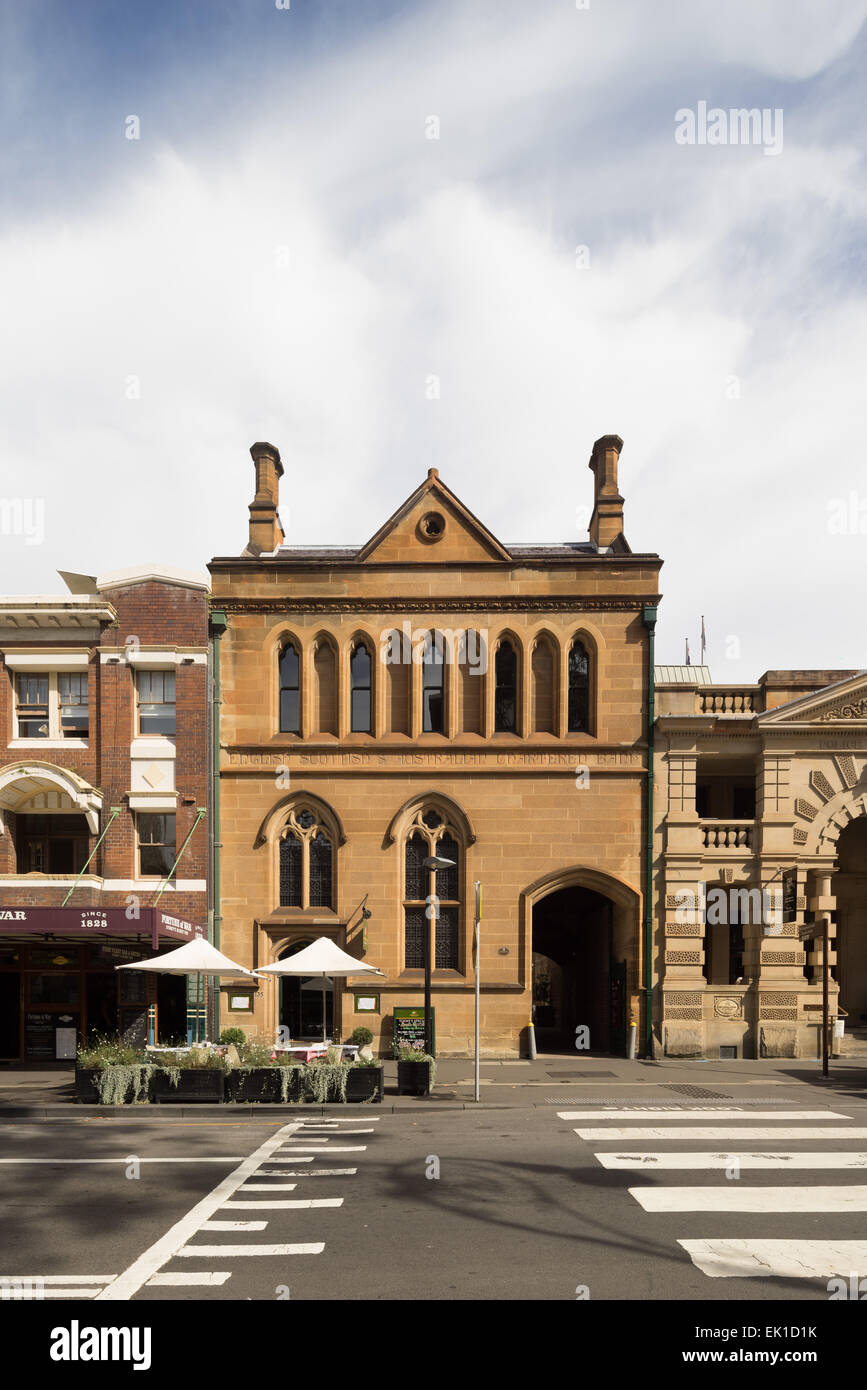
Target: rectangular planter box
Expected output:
[87,1092]
[204,1084]
[364,1083]
[85,1085]
[263,1085]
[413,1078]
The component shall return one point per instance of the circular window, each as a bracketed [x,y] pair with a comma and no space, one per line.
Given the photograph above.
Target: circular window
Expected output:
[432,526]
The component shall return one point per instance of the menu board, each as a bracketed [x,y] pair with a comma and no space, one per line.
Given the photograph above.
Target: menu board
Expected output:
[409,1029]
[39,1036]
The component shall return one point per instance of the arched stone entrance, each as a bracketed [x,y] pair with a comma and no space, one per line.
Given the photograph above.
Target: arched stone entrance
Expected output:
[583,935]
[849,885]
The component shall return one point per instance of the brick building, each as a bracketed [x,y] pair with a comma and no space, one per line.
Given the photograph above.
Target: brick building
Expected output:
[761,833]
[435,690]
[104,766]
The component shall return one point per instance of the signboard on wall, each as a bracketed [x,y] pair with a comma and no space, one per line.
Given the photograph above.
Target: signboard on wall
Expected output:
[97,921]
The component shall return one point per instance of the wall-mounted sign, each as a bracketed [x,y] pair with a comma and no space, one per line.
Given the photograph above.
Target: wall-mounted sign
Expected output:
[367,1003]
[241,1003]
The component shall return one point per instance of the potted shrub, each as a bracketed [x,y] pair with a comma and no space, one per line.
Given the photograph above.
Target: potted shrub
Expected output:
[233,1035]
[416,1072]
[364,1081]
[262,1077]
[198,1075]
[362,1038]
[108,1072]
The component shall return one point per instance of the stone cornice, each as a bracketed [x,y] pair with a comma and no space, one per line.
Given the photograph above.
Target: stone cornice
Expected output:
[577,603]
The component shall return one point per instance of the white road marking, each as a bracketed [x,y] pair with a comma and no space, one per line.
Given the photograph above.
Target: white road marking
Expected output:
[230,1158]
[233,1225]
[269,1186]
[313,1173]
[56,1278]
[734,1197]
[348,1133]
[701,1114]
[222,1252]
[151,1260]
[745,1132]
[64,1293]
[261,1204]
[190,1281]
[786,1259]
[656,1162]
[290,1151]
[299,1203]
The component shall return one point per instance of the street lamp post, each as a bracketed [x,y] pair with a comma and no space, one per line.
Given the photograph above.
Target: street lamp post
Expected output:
[432,862]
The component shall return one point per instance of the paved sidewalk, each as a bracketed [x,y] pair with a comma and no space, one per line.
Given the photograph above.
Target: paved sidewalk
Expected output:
[552,1079]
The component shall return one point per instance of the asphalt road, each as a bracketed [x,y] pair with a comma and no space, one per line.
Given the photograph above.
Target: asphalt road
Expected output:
[495,1204]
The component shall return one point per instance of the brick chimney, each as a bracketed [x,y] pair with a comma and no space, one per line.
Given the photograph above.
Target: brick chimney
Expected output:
[606,523]
[266,531]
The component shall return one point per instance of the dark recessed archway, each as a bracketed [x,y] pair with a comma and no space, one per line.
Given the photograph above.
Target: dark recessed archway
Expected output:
[301,1009]
[573,971]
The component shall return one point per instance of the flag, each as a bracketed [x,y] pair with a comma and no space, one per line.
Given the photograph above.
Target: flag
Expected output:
[703,640]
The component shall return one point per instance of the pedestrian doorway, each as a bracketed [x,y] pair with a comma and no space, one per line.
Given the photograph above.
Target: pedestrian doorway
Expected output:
[578,982]
[301,1002]
[849,886]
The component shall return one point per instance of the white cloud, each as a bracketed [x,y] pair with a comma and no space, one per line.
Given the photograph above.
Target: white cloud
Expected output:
[298,274]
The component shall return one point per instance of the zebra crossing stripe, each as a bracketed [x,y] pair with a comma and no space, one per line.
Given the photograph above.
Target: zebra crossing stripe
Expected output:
[745,1132]
[290,1150]
[703,1114]
[223,1252]
[294,1204]
[269,1186]
[262,1204]
[658,1161]
[781,1259]
[311,1173]
[233,1225]
[734,1197]
[189,1281]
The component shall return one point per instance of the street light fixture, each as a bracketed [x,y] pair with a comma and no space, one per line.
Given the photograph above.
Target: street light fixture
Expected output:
[434,862]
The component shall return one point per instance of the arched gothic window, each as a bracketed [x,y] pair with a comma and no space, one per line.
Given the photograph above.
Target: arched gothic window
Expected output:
[306,862]
[290,690]
[360,674]
[579,689]
[506,689]
[431,897]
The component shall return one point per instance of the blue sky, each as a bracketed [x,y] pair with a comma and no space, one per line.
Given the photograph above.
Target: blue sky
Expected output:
[285,254]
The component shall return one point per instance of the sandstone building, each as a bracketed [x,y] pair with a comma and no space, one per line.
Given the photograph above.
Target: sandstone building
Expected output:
[761,831]
[437,690]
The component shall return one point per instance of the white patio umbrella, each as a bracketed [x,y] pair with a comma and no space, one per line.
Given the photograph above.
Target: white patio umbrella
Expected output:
[324,959]
[197,957]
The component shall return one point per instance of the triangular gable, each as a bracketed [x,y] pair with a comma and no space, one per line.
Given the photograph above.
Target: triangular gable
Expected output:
[842,703]
[462,539]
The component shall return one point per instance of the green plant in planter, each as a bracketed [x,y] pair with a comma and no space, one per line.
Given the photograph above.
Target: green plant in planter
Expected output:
[361,1037]
[197,1060]
[108,1052]
[321,1079]
[115,1082]
[234,1035]
[405,1053]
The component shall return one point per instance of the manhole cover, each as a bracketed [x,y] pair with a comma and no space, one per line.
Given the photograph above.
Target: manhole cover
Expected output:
[573,1075]
[698,1092]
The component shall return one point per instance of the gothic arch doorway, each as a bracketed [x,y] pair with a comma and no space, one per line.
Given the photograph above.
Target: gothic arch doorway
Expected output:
[850,889]
[300,1008]
[581,932]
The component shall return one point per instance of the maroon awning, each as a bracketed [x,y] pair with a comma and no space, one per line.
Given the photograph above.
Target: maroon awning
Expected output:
[92,922]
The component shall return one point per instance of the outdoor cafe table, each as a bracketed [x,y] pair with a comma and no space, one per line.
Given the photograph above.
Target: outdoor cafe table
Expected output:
[308,1052]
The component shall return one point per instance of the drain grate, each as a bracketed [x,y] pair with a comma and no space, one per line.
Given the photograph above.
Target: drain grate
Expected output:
[573,1075]
[698,1092]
